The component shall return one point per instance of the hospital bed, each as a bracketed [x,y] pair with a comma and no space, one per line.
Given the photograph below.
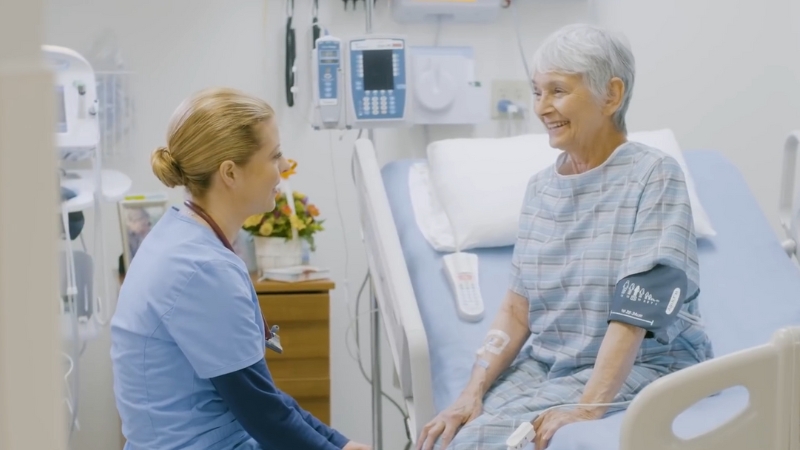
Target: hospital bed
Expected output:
[748,397]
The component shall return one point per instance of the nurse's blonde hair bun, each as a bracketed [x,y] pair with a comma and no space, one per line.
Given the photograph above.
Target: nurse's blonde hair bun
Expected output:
[210,127]
[166,168]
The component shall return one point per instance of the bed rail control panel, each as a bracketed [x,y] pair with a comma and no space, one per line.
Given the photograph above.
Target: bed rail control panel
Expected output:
[521,437]
[462,273]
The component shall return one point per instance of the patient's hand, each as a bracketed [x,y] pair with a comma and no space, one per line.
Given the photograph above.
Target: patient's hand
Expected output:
[352,445]
[548,423]
[447,423]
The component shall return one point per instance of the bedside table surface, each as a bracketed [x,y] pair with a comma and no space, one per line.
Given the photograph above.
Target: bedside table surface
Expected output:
[278,287]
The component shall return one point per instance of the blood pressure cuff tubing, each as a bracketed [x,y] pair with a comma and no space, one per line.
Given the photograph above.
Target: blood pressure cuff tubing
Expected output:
[651,300]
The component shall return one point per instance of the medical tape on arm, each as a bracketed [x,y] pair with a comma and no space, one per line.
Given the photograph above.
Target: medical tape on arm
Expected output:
[494,343]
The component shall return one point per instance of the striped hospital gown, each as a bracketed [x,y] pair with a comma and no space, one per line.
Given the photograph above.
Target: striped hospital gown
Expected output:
[578,236]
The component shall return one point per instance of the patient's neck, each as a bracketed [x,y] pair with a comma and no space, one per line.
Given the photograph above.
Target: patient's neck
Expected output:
[592,152]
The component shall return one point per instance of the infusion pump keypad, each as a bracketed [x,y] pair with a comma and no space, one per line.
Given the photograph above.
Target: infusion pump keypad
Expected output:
[379,103]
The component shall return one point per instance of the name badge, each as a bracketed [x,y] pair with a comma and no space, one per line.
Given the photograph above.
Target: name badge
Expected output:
[274,343]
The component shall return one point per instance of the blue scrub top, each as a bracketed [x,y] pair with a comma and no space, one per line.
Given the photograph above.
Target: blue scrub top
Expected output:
[187,312]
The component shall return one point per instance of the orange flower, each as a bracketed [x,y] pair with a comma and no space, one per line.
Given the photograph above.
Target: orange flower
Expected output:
[313,210]
[286,210]
[290,171]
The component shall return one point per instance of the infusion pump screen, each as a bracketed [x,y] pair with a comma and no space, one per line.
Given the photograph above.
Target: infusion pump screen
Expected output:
[328,57]
[61,111]
[378,73]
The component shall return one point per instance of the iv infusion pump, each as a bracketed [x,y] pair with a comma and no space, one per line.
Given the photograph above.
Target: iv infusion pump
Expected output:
[328,83]
[361,84]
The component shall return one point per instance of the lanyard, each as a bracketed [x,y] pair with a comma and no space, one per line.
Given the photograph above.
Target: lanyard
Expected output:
[271,338]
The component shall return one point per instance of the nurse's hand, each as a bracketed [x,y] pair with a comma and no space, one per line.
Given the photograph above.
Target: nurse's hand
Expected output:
[447,423]
[356,446]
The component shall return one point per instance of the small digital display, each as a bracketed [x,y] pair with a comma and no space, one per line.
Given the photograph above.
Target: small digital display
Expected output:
[328,61]
[327,54]
[61,111]
[378,70]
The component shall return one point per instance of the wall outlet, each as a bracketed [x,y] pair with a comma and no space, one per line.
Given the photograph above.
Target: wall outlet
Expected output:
[517,91]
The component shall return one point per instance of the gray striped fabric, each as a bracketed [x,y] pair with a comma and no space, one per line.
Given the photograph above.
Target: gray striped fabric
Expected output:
[578,236]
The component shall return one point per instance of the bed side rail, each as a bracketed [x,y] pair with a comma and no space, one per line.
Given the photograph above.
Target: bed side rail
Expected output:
[770,420]
[396,300]
[786,200]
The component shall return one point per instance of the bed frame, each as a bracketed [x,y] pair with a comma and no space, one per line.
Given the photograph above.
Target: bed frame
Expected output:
[786,206]
[770,372]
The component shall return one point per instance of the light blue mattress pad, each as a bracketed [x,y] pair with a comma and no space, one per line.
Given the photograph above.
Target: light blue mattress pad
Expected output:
[749,289]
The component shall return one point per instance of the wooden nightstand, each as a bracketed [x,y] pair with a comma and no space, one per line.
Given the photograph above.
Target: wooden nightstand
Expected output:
[301,310]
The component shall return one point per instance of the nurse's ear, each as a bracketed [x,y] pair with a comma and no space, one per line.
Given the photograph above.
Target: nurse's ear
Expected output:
[229,173]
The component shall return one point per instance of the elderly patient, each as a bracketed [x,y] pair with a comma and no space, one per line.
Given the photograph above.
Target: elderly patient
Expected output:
[604,274]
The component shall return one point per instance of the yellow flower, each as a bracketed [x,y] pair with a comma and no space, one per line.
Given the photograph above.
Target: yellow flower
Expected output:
[290,171]
[296,222]
[266,229]
[253,221]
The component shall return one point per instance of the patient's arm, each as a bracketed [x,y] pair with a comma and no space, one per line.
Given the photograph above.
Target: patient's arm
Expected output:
[496,355]
[614,362]
[508,333]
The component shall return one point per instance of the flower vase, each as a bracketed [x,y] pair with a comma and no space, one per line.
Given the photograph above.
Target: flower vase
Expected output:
[277,252]
[244,247]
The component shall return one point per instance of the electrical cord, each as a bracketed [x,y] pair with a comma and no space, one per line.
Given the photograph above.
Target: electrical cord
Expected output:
[346,281]
[355,318]
[360,364]
[528,74]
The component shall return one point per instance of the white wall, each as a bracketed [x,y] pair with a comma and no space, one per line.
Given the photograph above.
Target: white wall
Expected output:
[723,75]
[718,75]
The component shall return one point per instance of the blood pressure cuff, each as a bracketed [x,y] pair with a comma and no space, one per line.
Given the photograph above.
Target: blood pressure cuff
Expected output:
[651,300]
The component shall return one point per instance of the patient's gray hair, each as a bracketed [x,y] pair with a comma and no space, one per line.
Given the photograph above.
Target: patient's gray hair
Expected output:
[596,54]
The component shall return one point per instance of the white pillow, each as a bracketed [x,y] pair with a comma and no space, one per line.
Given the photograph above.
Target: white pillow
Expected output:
[480,185]
[665,141]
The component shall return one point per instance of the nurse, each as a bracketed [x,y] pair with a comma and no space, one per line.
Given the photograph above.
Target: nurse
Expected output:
[188,337]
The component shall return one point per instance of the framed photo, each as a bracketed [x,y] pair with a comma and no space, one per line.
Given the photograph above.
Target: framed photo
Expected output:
[138,214]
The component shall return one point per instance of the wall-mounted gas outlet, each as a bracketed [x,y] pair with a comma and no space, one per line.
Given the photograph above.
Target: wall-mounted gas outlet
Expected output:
[516,91]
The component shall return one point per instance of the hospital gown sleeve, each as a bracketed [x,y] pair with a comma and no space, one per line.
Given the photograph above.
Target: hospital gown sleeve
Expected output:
[215,320]
[515,278]
[525,221]
[660,270]
[271,417]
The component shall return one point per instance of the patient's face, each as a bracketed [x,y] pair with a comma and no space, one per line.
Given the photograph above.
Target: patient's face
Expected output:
[565,105]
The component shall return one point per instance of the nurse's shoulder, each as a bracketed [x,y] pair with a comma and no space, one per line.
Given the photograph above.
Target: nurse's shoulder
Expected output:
[179,258]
